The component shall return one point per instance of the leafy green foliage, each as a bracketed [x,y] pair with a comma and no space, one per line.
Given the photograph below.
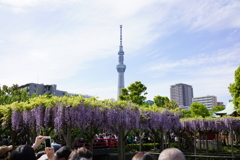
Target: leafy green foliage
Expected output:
[234,89]
[145,147]
[186,113]
[152,108]
[164,102]
[171,105]
[199,109]
[47,102]
[12,94]
[161,101]
[216,108]
[134,93]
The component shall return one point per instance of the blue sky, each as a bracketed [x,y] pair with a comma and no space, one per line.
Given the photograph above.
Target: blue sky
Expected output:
[75,43]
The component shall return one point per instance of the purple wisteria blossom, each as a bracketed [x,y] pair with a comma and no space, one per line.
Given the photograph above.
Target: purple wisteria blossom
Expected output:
[17,120]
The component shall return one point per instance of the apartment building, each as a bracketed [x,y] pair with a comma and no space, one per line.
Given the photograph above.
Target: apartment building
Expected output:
[220,104]
[208,101]
[182,94]
[41,89]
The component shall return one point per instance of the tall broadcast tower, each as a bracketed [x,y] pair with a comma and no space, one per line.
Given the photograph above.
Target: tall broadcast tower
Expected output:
[120,67]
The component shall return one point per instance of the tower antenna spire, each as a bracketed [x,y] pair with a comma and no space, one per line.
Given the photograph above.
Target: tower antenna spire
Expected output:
[120,35]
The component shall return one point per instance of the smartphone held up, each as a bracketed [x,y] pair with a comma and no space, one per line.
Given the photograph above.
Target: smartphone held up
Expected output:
[47,142]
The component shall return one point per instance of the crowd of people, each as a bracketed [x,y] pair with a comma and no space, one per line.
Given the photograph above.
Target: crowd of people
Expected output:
[57,152]
[103,140]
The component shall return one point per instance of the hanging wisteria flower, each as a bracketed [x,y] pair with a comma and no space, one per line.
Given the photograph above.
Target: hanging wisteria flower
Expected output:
[16,120]
[28,119]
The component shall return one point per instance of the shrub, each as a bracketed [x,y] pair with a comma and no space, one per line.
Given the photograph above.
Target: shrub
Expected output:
[145,147]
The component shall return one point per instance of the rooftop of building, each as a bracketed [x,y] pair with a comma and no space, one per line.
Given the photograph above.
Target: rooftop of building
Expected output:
[229,110]
[56,91]
[181,84]
[205,96]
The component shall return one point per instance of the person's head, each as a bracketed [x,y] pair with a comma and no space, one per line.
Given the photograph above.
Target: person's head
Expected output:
[25,152]
[5,151]
[142,156]
[171,154]
[77,157]
[63,153]
[82,152]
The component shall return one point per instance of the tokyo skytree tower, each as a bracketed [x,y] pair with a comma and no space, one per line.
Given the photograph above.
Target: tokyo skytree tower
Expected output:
[120,67]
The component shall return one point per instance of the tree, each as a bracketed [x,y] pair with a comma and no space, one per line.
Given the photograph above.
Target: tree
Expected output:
[186,113]
[165,102]
[160,101]
[12,94]
[216,108]
[134,93]
[174,103]
[234,89]
[199,109]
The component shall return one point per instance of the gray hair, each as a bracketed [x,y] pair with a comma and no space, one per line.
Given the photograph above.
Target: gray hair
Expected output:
[171,154]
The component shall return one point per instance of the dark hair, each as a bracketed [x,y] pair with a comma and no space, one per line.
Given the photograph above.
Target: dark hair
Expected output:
[82,152]
[142,156]
[40,153]
[25,152]
[63,152]
[77,157]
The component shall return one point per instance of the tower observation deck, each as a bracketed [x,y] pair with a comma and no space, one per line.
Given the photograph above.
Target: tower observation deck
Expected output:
[120,67]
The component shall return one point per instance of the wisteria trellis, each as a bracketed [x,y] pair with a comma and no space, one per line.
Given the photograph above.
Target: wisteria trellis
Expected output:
[107,115]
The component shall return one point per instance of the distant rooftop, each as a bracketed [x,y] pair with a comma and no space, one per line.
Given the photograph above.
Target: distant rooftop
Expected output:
[228,111]
[41,89]
[181,84]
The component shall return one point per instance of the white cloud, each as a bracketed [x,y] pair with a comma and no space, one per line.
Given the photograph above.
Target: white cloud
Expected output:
[19,10]
[223,56]
[101,92]
[34,3]
[209,74]
[233,36]
[203,83]
[55,40]
[213,15]
[63,52]
[21,3]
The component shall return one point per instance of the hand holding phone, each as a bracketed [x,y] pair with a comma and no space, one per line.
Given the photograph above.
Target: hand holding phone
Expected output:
[38,141]
[50,153]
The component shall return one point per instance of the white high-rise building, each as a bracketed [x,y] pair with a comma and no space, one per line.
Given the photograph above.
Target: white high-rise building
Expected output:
[208,101]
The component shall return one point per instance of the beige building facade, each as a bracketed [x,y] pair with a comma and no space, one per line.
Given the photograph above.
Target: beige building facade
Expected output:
[208,101]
